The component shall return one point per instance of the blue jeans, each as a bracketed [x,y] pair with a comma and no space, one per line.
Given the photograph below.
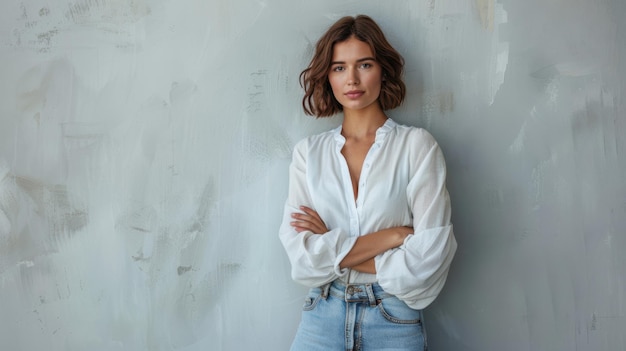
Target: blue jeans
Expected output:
[359,317]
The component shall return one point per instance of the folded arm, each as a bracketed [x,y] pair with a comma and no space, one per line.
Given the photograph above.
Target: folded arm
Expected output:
[361,256]
[417,270]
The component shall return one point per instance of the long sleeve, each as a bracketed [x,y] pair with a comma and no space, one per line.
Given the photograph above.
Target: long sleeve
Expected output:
[416,271]
[314,258]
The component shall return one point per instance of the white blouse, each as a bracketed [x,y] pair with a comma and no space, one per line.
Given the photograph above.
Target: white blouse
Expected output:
[402,183]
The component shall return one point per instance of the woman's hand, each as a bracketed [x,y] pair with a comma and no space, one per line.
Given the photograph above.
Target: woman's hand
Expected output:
[309,220]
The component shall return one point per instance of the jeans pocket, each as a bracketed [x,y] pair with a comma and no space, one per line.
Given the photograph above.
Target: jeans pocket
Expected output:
[312,298]
[396,311]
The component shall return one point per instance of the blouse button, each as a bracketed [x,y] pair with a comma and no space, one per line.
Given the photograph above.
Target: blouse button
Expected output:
[367,165]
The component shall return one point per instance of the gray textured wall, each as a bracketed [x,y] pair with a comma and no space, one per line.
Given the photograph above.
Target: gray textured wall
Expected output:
[144,148]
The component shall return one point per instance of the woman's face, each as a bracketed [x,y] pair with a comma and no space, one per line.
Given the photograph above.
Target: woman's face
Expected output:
[354,75]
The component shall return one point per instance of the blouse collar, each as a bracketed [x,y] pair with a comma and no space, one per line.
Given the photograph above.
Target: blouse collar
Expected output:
[381,132]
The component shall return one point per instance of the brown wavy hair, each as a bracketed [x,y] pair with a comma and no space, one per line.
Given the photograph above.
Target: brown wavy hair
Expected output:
[318,98]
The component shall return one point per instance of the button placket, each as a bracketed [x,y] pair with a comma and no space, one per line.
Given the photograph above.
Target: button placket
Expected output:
[367,165]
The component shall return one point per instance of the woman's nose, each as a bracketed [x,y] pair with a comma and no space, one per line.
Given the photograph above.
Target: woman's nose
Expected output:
[353,77]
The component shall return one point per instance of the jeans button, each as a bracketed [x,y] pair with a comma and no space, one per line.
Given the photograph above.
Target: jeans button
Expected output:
[350,290]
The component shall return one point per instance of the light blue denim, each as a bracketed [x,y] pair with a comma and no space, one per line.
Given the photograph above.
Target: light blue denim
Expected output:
[359,317]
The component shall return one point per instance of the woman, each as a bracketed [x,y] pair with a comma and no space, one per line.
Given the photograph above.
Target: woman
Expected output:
[366,223]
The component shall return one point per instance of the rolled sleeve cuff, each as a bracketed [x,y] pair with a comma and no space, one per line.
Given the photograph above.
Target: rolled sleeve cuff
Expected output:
[340,244]
[416,271]
[316,257]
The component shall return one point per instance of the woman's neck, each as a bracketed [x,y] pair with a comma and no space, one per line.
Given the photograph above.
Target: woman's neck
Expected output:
[362,123]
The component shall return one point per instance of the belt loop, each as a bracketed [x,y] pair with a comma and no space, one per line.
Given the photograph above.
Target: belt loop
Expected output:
[370,295]
[325,290]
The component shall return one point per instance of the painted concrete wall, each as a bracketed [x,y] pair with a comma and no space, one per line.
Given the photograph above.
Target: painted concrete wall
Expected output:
[144,148]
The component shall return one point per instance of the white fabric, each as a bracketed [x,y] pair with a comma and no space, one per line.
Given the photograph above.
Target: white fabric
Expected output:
[402,183]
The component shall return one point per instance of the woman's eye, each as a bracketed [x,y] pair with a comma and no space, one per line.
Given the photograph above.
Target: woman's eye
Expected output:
[337,69]
[366,65]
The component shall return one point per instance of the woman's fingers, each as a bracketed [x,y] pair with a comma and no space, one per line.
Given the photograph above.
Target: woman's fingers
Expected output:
[304,226]
[305,222]
[311,212]
[309,220]
[315,218]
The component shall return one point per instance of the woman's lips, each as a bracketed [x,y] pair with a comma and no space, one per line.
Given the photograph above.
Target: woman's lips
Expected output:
[355,94]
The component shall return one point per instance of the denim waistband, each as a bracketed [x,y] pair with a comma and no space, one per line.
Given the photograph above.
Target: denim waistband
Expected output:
[370,293]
